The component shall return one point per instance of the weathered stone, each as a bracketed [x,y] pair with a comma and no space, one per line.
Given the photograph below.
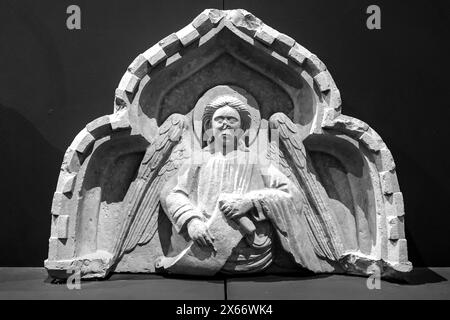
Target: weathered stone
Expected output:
[385,161]
[62,225]
[216,15]
[187,35]
[314,65]
[121,100]
[350,125]
[173,59]
[244,22]
[139,67]
[58,203]
[266,34]
[170,44]
[299,54]
[323,81]
[82,141]
[334,100]
[154,55]
[394,204]
[396,228]
[401,267]
[119,120]
[53,244]
[279,57]
[397,251]
[329,119]
[121,210]
[203,23]
[71,161]
[389,183]
[372,142]
[99,127]
[66,182]
[283,44]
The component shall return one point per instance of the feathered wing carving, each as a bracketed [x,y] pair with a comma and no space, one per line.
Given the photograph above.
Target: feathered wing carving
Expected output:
[141,204]
[290,155]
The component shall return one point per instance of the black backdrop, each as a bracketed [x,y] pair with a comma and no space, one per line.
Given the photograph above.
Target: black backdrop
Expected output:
[53,81]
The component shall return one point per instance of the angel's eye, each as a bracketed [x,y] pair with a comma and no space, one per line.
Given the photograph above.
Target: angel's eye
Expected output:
[219,119]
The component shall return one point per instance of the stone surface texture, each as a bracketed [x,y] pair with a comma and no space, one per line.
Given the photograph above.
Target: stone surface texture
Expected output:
[227,152]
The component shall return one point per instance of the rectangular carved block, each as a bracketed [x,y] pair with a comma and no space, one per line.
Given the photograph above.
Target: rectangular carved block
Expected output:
[62,226]
[119,120]
[283,44]
[187,35]
[53,244]
[99,127]
[371,141]
[394,204]
[389,183]
[155,55]
[384,161]
[66,182]
[57,203]
[266,34]
[203,23]
[314,65]
[128,82]
[82,141]
[139,67]
[323,81]
[298,53]
[397,250]
[171,44]
[71,161]
[396,228]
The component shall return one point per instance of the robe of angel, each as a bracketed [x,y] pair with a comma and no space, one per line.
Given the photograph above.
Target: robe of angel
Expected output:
[280,217]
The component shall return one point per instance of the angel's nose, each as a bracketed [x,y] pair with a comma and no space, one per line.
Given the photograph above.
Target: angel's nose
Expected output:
[225,124]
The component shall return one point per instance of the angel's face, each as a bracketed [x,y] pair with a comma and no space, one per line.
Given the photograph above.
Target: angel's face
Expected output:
[226,125]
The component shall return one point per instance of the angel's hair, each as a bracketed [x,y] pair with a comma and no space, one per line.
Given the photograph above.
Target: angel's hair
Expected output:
[223,101]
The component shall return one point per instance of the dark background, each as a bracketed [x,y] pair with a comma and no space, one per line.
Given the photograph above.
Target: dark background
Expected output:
[53,81]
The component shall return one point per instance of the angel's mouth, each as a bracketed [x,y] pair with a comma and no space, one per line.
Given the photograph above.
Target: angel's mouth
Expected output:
[227,135]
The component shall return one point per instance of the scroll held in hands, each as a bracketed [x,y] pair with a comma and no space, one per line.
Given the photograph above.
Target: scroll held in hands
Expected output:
[208,260]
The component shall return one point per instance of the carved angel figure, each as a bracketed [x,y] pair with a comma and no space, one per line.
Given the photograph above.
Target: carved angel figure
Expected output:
[230,211]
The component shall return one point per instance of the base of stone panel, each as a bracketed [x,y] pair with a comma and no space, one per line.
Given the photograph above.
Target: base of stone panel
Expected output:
[34,283]
[96,265]
[91,266]
[356,263]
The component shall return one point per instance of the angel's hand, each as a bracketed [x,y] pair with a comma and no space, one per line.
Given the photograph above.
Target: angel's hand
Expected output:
[235,206]
[198,232]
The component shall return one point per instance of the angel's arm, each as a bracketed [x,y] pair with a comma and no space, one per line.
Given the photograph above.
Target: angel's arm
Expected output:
[278,194]
[278,189]
[175,199]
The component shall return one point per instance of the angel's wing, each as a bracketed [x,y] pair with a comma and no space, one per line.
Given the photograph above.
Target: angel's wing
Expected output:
[287,150]
[141,204]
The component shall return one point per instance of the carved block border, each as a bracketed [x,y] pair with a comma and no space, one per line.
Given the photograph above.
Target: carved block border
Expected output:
[78,151]
[360,131]
[247,27]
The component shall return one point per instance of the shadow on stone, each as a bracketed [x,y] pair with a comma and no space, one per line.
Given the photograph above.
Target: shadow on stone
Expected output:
[419,276]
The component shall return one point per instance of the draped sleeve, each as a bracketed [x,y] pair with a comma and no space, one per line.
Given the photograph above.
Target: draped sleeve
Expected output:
[281,202]
[176,198]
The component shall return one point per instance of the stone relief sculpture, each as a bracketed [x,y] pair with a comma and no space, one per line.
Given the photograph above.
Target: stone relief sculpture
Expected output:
[227,153]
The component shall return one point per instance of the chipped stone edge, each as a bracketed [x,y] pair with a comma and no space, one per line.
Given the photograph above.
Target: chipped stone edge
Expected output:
[91,266]
[73,159]
[385,165]
[357,263]
[257,33]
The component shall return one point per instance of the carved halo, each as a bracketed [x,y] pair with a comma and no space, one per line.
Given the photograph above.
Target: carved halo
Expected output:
[235,92]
